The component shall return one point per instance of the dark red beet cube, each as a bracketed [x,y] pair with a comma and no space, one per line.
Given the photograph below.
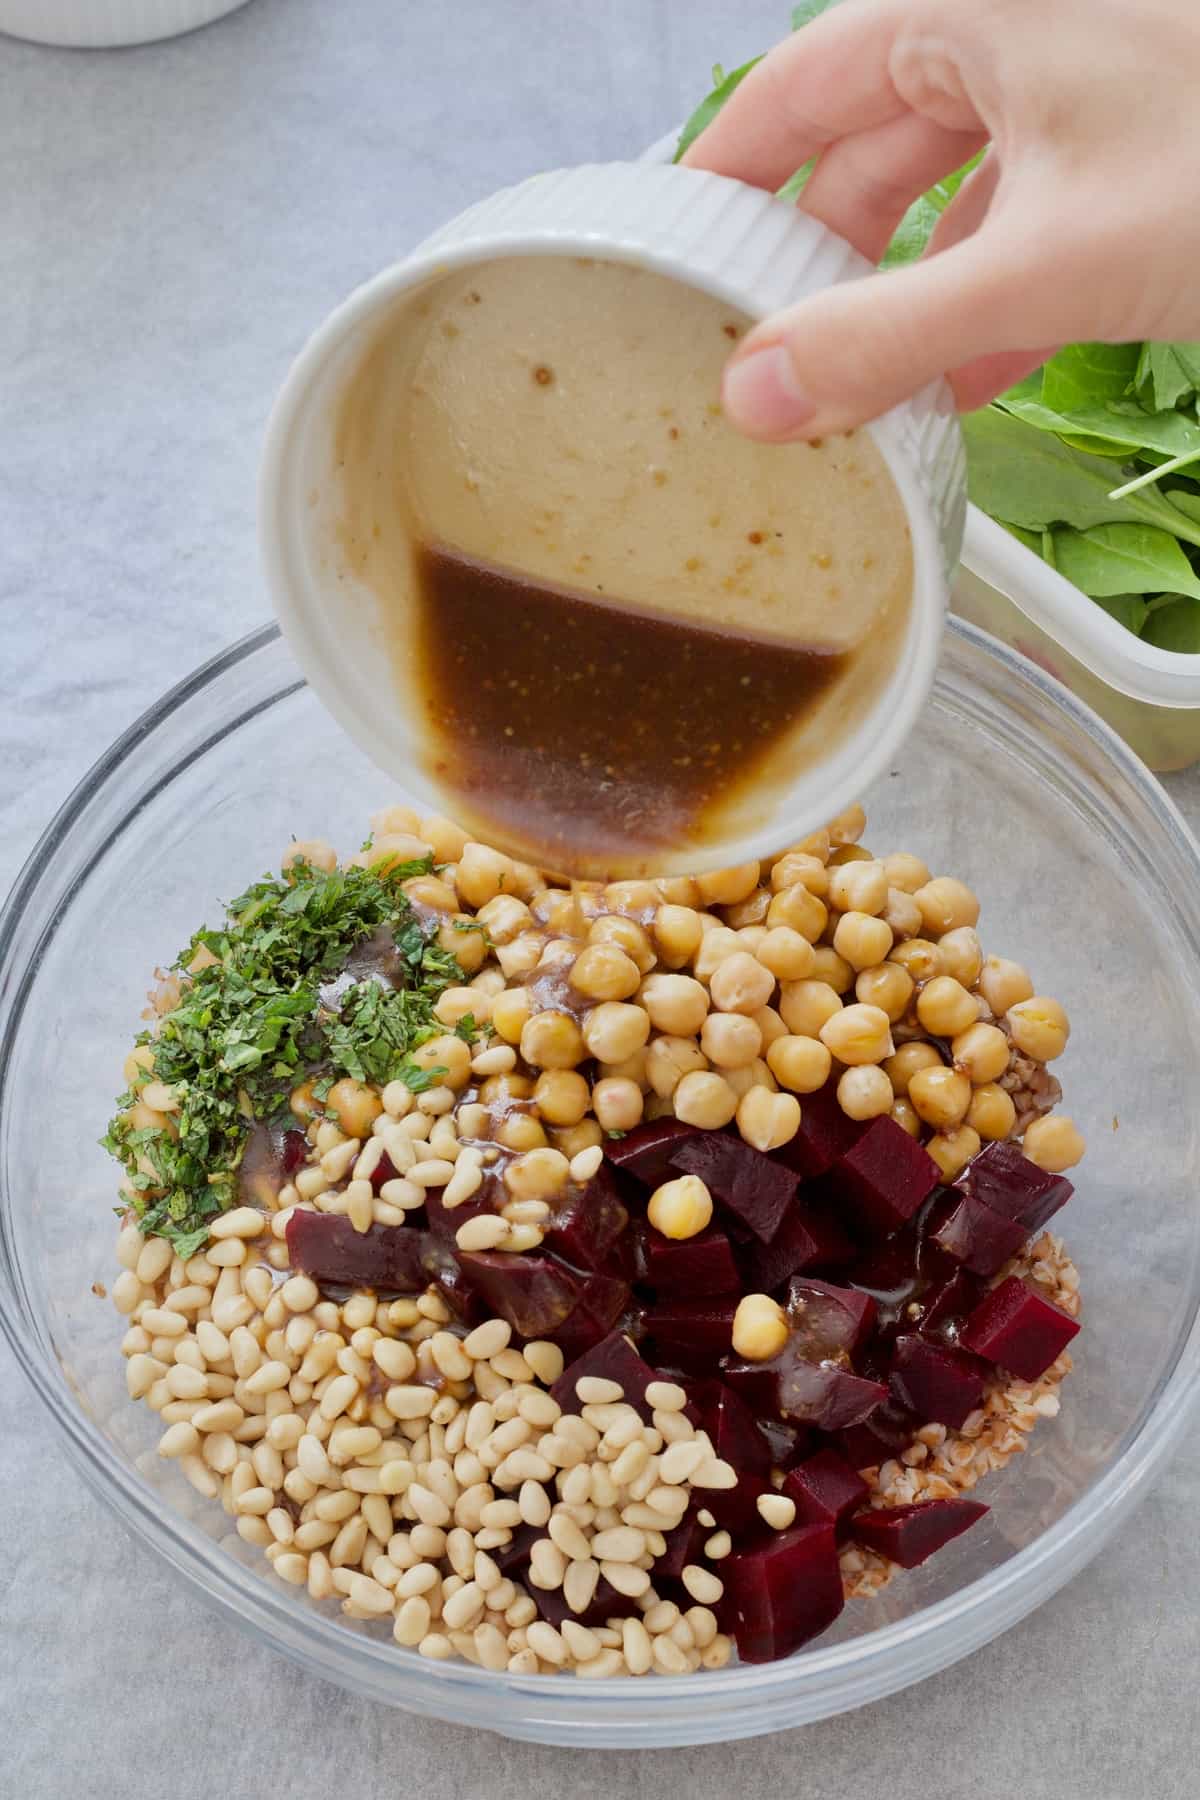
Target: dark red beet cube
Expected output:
[513,1557]
[735,1509]
[293,1150]
[825,1489]
[581,1330]
[974,1235]
[692,1333]
[805,1239]
[444,1221]
[910,1534]
[584,1229]
[387,1257]
[732,1427]
[605,1603]
[783,1593]
[756,1190]
[684,1544]
[888,1432]
[884,1177]
[696,1266]
[443,1269]
[826,1320]
[535,1294]
[941,1386]
[1018,1328]
[945,1305]
[646,1151]
[824,1136]
[816,1394]
[616,1360]
[1009,1184]
[787,1444]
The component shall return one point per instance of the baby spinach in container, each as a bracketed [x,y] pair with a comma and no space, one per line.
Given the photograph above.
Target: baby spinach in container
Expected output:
[1093,461]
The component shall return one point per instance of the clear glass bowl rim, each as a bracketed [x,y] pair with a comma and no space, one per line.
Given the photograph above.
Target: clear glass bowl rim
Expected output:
[737,1702]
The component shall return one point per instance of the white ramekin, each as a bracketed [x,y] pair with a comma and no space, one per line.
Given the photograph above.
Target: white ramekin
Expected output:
[107,24]
[749,250]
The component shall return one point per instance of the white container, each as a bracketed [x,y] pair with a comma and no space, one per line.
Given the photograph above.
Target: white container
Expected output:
[751,251]
[107,24]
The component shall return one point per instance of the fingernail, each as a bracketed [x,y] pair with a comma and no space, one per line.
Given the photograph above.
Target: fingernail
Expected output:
[762,397]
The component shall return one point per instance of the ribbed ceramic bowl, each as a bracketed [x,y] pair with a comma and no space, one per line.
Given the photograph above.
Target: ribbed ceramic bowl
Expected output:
[1086,872]
[108,24]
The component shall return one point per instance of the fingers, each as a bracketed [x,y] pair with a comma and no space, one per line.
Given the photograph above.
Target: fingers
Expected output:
[826,80]
[969,207]
[980,381]
[863,185]
[848,354]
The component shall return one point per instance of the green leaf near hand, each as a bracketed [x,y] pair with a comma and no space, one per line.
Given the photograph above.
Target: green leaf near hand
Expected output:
[1129,610]
[1175,626]
[1167,373]
[711,105]
[1124,559]
[1088,375]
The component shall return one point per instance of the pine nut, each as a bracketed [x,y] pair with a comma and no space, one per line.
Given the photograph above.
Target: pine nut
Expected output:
[484,1232]
[179,1440]
[450,1357]
[487,1340]
[571,1540]
[669,1657]
[679,1461]
[702,1584]
[409,1402]
[719,1545]
[777,1510]
[160,1321]
[463,1607]
[242,1222]
[141,1372]
[622,1545]
[636,1646]
[545,1360]
[630,1464]
[595,1390]
[430,1510]
[665,1396]
[547,1564]
[582,1643]
[601,1666]
[412,1621]
[626,1578]
[269,1378]
[338,1395]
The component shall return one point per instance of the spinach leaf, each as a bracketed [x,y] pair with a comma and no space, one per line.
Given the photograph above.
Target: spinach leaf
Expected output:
[1167,373]
[1119,426]
[916,227]
[1124,559]
[1032,540]
[711,105]
[1129,610]
[1088,375]
[809,10]
[1174,626]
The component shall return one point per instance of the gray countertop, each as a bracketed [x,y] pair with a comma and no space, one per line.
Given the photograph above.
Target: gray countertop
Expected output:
[173,221]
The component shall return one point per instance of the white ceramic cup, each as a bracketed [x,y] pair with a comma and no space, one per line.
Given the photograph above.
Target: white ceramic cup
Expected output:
[744,247]
[108,24]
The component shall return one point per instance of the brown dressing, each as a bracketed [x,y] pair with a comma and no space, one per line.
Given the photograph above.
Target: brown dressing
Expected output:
[590,726]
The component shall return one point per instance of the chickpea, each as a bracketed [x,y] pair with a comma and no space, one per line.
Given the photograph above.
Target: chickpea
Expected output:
[538,1175]
[631,1068]
[740,984]
[865,1093]
[677,932]
[889,987]
[766,1120]
[392,848]
[902,914]
[489,982]
[750,911]
[805,1006]
[501,1091]
[907,1118]
[617,1103]
[799,1063]
[304,1104]
[1039,1027]
[858,887]
[841,854]
[468,948]
[953,1150]
[445,839]
[981,1052]
[770,1025]
[395,818]
[455,1003]
[760,1328]
[849,825]
[786,954]
[705,1099]
[962,955]
[922,959]
[522,956]
[991,1112]
[558,950]
[449,1053]
[946,904]
[313,851]
[941,1096]
[752,936]
[559,910]
[482,874]
[627,935]
[945,1008]
[1053,1143]
[505,918]
[356,1106]
[510,1013]
[725,887]
[1004,984]
[669,1059]
[730,1040]
[676,1004]
[428,890]
[753,1074]
[552,1040]
[903,1065]
[798,866]
[604,972]
[571,1139]
[832,969]
[678,890]
[681,1208]
[796,907]
[561,1096]
[858,1034]
[862,940]
[615,1030]
[717,943]
[520,1131]
[629,897]
[905,872]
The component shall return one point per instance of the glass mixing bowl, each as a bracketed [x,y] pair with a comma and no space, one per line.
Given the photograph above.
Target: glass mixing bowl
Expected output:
[1086,872]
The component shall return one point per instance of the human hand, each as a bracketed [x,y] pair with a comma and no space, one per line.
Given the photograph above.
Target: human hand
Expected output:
[1082,221]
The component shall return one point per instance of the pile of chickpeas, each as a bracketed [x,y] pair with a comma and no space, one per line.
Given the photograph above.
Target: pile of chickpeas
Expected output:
[720,999]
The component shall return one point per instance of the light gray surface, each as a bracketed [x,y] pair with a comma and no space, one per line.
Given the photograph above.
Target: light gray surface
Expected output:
[172,223]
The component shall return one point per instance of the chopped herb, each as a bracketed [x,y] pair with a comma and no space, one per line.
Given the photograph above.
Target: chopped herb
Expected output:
[470,1029]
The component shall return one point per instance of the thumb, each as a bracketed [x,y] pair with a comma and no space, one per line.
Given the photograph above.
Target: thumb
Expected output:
[849,353]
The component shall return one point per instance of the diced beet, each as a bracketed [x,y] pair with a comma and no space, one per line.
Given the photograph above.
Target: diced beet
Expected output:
[824,1136]
[693,1333]
[884,1177]
[805,1238]
[579,1332]
[735,1509]
[1009,1184]
[888,1432]
[534,1293]
[945,1305]
[605,1603]
[826,1320]
[683,1545]
[585,1227]
[755,1189]
[646,1151]
[941,1386]
[386,1257]
[910,1534]
[444,1221]
[825,1489]
[445,1272]
[616,1360]
[700,1265]
[1018,1328]
[787,1444]
[782,1593]
[811,1393]
[292,1152]
[974,1235]
[384,1170]
[732,1427]
[512,1557]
